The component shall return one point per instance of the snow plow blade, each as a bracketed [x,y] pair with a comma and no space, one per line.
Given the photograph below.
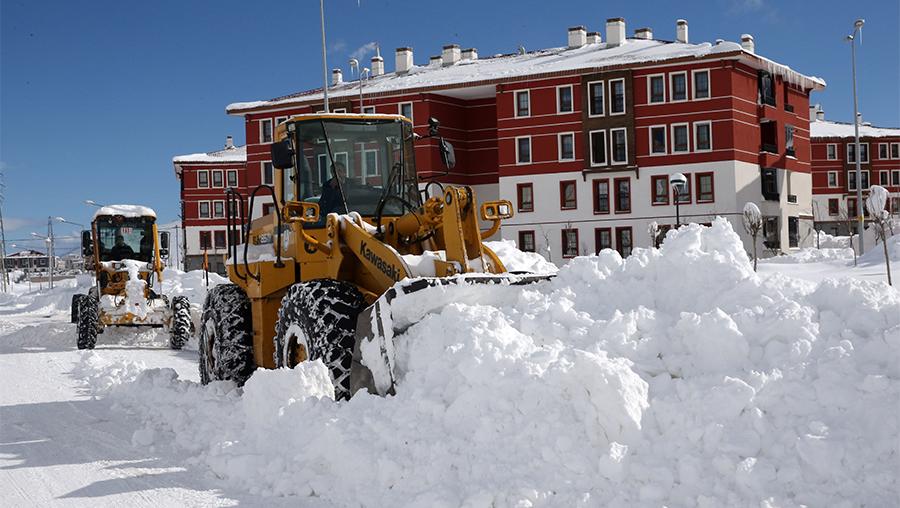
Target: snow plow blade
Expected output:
[377,325]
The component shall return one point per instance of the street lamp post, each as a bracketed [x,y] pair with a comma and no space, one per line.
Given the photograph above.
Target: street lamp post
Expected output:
[857,26]
[678,181]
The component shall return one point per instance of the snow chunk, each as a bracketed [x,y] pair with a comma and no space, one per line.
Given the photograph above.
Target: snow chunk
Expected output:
[125,210]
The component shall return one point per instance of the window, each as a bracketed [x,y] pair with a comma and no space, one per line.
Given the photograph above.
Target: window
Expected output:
[217,179]
[568,200]
[268,175]
[595,99]
[658,140]
[660,189]
[623,241]
[895,150]
[232,178]
[883,151]
[766,86]
[834,207]
[268,208]
[863,150]
[701,84]
[218,209]
[569,243]
[685,195]
[851,179]
[339,110]
[656,88]
[220,239]
[768,136]
[623,195]
[370,163]
[895,177]
[205,240]
[680,143]
[369,110]
[406,109]
[566,143]
[564,99]
[702,136]
[526,241]
[525,197]
[601,196]
[203,209]
[895,206]
[832,179]
[617,96]
[884,177]
[619,146]
[602,239]
[523,150]
[771,235]
[203,179]
[831,151]
[793,232]
[678,84]
[769,178]
[280,120]
[233,208]
[789,140]
[265,131]
[851,208]
[705,188]
[523,103]
[598,148]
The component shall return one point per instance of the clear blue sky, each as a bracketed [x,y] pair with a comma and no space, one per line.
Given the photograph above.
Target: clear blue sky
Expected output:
[96,97]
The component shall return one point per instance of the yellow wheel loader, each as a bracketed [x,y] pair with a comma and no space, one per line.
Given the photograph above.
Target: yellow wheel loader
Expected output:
[353,229]
[124,250]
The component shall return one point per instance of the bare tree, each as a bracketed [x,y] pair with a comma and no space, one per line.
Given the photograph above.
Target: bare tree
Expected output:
[875,203]
[547,249]
[816,224]
[653,231]
[849,221]
[753,223]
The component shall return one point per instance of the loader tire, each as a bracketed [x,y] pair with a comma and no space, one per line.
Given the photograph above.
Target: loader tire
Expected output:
[180,331]
[226,336]
[76,301]
[320,315]
[88,322]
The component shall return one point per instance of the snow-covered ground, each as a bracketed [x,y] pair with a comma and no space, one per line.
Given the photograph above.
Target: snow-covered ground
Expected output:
[676,377]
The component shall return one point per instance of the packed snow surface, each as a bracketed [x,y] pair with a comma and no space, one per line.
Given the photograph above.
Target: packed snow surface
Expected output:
[674,377]
[125,211]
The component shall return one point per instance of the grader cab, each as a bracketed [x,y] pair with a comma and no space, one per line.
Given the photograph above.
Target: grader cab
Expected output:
[124,250]
[353,229]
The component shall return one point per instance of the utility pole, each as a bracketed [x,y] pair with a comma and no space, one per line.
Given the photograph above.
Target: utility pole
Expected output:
[50,250]
[324,60]
[857,27]
[4,278]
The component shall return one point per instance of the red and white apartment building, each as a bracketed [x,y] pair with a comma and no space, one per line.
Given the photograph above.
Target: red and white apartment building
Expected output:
[583,138]
[834,169]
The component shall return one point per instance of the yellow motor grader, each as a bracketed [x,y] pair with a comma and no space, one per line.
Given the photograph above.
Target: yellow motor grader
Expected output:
[124,250]
[353,228]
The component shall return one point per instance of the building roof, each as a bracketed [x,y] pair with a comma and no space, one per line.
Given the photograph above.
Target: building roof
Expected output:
[235,154]
[27,253]
[499,68]
[827,129]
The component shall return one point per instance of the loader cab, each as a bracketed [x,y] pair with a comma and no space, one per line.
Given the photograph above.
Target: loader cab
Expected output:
[362,163]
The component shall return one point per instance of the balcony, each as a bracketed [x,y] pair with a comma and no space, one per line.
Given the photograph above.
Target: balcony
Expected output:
[769,147]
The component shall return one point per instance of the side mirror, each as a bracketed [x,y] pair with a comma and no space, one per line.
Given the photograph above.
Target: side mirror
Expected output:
[300,211]
[496,210]
[164,244]
[433,125]
[87,244]
[282,154]
[447,154]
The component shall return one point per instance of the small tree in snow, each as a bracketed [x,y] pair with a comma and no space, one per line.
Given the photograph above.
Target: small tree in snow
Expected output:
[653,231]
[753,224]
[875,203]
[850,222]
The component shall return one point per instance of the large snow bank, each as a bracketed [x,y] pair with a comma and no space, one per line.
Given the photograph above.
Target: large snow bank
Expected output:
[516,260]
[676,376]
[813,255]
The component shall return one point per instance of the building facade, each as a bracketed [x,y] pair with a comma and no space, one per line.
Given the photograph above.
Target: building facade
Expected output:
[583,138]
[834,170]
[203,178]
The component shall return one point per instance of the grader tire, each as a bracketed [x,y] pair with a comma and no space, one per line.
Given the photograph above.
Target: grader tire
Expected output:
[88,322]
[319,317]
[226,336]
[180,331]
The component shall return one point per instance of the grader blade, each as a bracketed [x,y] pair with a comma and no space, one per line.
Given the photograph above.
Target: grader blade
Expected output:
[373,366]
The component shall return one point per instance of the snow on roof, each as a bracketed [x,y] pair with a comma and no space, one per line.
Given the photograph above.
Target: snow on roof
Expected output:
[594,56]
[126,210]
[233,154]
[827,129]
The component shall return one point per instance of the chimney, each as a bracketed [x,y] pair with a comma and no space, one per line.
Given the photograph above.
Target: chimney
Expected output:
[859,119]
[615,31]
[747,43]
[681,31]
[450,54]
[404,60]
[337,77]
[435,61]
[593,38]
[820,115]
[644,33]
[577,37]
[377,63]
[470,54]
[229,142]
[816,113]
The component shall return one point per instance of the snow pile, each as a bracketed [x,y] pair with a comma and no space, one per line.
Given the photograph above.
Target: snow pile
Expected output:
[516,260]
[676,376]
[875,253]
[813,255]
[135,299]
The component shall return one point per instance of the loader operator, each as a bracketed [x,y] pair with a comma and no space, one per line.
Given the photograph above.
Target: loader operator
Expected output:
[121,250]
[332,201]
